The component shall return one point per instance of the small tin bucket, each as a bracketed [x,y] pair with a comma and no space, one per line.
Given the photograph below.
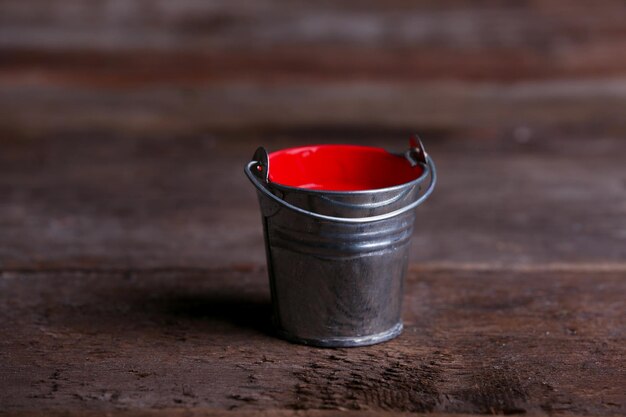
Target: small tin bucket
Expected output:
[337,223]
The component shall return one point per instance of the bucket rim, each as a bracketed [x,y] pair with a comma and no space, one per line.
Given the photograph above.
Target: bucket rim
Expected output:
[416,181]
[259,180]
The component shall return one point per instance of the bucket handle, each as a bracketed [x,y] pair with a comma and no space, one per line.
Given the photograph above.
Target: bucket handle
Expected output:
[261,166]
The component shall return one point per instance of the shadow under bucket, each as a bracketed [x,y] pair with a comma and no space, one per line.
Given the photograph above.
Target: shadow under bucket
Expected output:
[337,223]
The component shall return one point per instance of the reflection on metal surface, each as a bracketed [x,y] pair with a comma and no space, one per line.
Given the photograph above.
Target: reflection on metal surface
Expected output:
[337,260]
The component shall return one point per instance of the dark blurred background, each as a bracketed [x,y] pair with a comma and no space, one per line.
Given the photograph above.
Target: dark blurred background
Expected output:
[446,66]
[125,124]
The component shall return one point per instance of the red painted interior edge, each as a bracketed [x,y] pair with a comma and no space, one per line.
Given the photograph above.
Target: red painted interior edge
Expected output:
[340,168]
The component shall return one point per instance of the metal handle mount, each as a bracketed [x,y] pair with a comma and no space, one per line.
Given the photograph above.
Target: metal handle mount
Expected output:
[258,170]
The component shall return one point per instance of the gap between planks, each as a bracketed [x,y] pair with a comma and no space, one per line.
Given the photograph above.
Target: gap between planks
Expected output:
[435,267]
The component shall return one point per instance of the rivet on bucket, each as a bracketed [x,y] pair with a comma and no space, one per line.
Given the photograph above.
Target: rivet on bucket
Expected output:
[337,223]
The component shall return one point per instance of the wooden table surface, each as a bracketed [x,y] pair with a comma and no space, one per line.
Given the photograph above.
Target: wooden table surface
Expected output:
[133,280]
[132,266]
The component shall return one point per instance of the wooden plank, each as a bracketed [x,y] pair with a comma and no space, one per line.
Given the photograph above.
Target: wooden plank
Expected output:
[99,200]
[327,63]
[549,26]
[450,107]
[208,412]
[204,412]
[475,342]
[154,66]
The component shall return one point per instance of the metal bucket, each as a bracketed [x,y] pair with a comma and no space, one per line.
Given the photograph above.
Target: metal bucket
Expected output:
[337,258]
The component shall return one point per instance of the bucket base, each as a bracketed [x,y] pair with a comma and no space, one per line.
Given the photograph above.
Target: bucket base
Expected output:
[336,342]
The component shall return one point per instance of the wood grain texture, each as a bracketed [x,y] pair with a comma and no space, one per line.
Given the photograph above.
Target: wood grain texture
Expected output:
[210,412]
[574,106]
[132,278]
[454,65]
[496,342]
[552,29]
[113,201]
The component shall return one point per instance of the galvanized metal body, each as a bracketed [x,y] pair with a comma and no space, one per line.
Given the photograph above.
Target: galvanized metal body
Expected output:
[337,262]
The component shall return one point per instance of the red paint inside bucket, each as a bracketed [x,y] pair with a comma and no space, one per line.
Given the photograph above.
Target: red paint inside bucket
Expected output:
[340,168]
